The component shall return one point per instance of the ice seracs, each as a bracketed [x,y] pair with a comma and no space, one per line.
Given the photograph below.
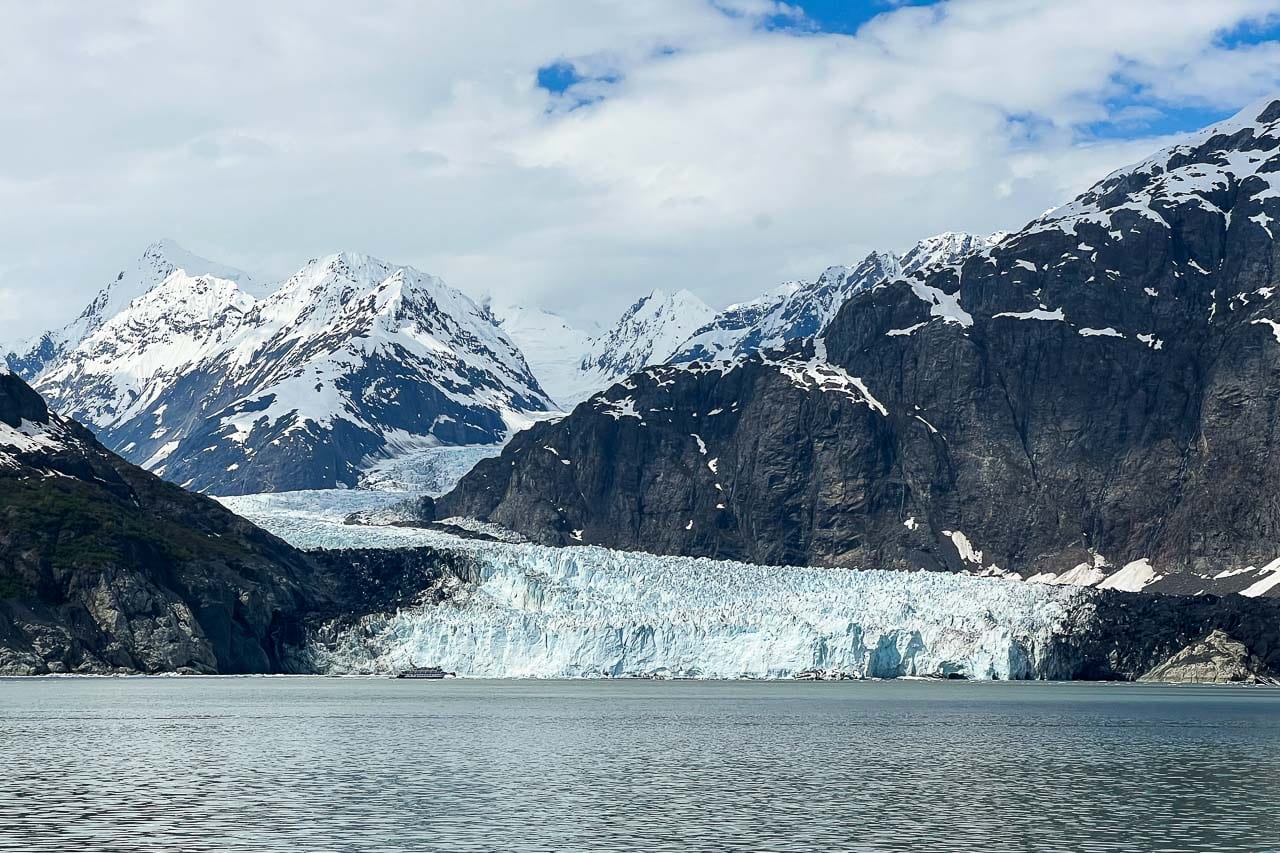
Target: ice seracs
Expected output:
[589,612]
[522,610]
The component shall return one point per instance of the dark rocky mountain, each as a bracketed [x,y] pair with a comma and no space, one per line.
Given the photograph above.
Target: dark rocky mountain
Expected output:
[229,391]
[107,568]
[1093,399]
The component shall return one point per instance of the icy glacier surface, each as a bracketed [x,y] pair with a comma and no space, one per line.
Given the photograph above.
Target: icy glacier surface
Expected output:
[573,612]
[386,483]
[427,470]
[535,611]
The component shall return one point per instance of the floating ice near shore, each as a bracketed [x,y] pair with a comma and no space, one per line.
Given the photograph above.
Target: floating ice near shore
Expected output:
[534,611]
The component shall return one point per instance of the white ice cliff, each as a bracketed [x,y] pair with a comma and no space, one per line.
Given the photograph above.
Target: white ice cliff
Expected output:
[587,611]
[541,612]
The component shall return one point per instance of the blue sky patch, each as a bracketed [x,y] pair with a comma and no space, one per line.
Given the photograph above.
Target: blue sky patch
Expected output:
[839,16]
[1251,33]
[558,76]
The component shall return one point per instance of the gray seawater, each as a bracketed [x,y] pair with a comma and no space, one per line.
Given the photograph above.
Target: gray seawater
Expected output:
[315,764]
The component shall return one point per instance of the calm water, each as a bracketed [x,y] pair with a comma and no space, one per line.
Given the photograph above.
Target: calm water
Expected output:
[305,764]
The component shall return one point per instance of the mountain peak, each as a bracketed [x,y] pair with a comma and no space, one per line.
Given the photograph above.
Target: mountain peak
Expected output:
[166,255]
[296,390]
[943,249]
[1226,169]
[649,332]
[686,297]
[158,261]
[351,265]
[1261,113]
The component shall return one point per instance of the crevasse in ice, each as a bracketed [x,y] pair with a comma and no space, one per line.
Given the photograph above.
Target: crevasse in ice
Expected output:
[535,611]
[573,612]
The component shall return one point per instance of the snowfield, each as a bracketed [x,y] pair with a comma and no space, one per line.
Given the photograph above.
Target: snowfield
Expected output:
[591,612]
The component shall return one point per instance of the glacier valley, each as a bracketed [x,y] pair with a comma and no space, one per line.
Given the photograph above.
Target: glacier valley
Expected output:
[533,611]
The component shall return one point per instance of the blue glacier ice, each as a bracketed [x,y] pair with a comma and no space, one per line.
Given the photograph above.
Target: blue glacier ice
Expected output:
[533,611]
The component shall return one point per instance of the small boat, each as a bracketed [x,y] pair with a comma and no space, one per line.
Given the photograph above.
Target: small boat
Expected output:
[424,672]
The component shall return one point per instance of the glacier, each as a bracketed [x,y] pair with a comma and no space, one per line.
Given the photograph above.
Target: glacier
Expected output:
[538,612]
[590,612]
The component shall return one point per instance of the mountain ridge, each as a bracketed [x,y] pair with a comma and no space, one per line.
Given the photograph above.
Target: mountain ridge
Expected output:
[158,261]
[351,356]
[803,309]
[1024,411]
[578,364]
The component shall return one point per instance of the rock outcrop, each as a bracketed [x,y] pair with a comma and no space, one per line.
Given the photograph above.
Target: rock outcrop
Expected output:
[1216,659]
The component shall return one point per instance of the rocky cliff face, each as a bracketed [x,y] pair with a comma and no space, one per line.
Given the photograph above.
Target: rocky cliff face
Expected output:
[1095,394]
[107,568]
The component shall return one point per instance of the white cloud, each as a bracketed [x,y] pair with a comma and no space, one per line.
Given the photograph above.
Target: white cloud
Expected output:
[724,159]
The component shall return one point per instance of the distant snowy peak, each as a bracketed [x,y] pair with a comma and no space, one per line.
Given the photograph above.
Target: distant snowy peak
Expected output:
[165,254]
[157,263]
[572,364]
[133,357]
[1228,169]
[649,332]
[802,309]
[359,304]
[553,348]
[349,359]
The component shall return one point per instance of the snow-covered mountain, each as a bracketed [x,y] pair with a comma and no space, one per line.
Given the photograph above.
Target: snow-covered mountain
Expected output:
[554,350]
[802,309]
[945,249]
[202,381]
[160,260]
[649,332]
[573,365]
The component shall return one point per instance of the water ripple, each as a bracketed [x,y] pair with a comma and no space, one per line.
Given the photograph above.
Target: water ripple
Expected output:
[376,765]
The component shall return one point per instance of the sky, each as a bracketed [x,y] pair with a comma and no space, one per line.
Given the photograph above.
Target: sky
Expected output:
[576,154]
